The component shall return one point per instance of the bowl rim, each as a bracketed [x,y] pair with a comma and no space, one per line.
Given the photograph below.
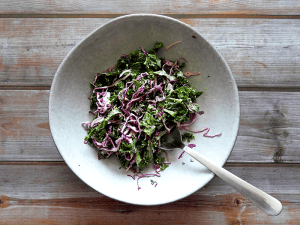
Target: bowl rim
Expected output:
[54,81]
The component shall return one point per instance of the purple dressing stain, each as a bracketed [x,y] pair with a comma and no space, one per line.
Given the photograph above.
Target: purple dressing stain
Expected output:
[183,163]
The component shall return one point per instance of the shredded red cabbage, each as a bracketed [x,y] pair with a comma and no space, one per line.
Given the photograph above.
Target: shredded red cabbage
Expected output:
[135,104]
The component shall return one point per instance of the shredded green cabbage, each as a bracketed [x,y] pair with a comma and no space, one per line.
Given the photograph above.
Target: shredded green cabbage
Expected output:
[135,104]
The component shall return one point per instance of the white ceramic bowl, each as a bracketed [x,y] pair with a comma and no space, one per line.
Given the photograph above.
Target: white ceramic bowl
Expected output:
[69,106]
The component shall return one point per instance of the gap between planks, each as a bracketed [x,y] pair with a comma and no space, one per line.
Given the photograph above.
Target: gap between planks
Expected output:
[177,16]
[24,88]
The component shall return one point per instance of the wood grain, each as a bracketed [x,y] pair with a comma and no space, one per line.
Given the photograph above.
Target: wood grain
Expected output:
[25,126]
[258,39]
[265,7]
[269,127]
[52,194]
[258,55]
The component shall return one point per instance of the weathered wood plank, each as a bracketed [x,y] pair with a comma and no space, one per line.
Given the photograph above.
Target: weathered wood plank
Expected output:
[205,210]
[25,132]
[264,7]
[258,55]
[52,194]
[269,127]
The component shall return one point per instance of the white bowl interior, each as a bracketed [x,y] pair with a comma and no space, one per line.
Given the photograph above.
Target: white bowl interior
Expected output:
[69,106]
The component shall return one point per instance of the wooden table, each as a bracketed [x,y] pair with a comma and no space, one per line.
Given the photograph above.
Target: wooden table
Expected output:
[260,40]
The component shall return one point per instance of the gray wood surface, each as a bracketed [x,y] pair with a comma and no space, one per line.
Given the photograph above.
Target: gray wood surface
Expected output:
[258,39]
[42,189]
[190,7]
[40,180]
[269,127]
[258,55]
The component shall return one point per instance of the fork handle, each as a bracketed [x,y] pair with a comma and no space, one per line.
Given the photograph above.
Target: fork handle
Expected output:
[265,202]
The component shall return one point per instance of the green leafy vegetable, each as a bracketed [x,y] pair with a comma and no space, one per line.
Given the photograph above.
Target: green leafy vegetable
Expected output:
[188,137]
[135,105]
